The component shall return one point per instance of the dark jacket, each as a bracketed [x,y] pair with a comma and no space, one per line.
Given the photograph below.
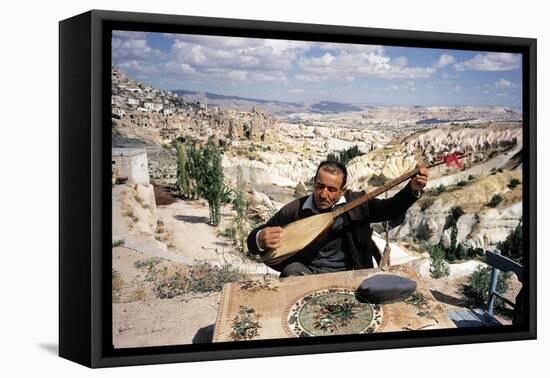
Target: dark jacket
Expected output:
[357,237]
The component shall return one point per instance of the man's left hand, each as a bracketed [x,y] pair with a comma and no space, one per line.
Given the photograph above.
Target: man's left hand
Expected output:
[419,181]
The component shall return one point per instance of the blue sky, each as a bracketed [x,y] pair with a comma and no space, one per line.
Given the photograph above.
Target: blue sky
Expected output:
[314,71]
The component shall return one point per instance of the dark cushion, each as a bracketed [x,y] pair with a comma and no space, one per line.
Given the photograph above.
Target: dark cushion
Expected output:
[386,288]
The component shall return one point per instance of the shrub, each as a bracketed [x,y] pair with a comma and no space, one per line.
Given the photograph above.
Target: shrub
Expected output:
[462,183]
[201,278]
[455,251]
[205,277]
[438,266]
[512,247]
[476,291]
[475,252]
[138,294]
[116,283]
[460,252]
[471,177]
[149,263]
[495,200]
[425,204]
[440,188]
[118,243]
[514,183]
[141,201]
[456,212]
[423,232]
[450,254]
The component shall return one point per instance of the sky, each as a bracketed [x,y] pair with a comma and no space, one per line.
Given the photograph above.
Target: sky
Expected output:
[301,71]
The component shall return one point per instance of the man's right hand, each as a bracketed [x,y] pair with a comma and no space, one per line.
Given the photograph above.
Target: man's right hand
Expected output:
[270,237]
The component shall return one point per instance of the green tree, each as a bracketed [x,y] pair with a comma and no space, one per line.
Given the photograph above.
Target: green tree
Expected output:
[209,177]
[476,291]
[192,162]
[495,200]
[514,183]
[455,251]
[345,156]
[512,247]
[240,205]
[438,266]
[183,181]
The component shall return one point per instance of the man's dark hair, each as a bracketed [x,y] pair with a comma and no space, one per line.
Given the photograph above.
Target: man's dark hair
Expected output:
[333,167]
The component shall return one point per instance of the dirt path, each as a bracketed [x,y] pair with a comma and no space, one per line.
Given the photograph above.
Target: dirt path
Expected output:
[192,237]
[185,319]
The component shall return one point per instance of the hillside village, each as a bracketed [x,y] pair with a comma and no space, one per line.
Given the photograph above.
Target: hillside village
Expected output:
[159,238]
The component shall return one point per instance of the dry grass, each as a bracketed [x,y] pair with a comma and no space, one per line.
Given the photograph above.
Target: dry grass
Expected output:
[116,285]
[141,201]
[138,294]
[198,279]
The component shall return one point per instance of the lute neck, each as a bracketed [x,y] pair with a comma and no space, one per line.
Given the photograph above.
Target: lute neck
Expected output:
[387,186]
[381,189]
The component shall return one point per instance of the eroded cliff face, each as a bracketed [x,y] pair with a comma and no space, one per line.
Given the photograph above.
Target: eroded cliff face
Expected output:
[466,139]
[481,226]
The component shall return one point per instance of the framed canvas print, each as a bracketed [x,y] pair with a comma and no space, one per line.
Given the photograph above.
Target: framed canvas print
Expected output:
[235,188]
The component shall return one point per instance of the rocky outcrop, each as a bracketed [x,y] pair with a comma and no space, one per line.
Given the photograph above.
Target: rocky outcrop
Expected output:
[445,139]
[300,190]
[480,226]
[277,171]
[369,170]
[260,208]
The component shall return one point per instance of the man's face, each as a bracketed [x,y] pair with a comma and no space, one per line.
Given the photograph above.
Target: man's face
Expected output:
[327,189]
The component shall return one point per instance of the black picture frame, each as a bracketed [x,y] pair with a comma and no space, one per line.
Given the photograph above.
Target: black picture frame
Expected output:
[85,187]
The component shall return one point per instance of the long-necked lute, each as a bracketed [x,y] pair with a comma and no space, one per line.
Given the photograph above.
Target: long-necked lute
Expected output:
[298,235]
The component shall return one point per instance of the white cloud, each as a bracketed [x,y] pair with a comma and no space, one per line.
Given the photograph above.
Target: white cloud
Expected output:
[444,60]
[491,62]
[400,61]
[137,49]
[296,91]
[457,89]
[347,64]
[311,77]
[447,76]
[229,58]
[323,61]
[143,68]
[179,68]
[215,41]
[406,86]
[503,83]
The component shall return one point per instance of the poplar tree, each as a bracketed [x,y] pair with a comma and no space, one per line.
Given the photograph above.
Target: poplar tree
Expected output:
[183,182]
[209,178]
[239,204]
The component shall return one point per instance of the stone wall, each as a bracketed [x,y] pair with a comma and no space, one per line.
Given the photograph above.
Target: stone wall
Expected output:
[131,163]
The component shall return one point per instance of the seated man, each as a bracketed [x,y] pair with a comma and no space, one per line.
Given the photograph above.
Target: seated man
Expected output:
[348,245]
